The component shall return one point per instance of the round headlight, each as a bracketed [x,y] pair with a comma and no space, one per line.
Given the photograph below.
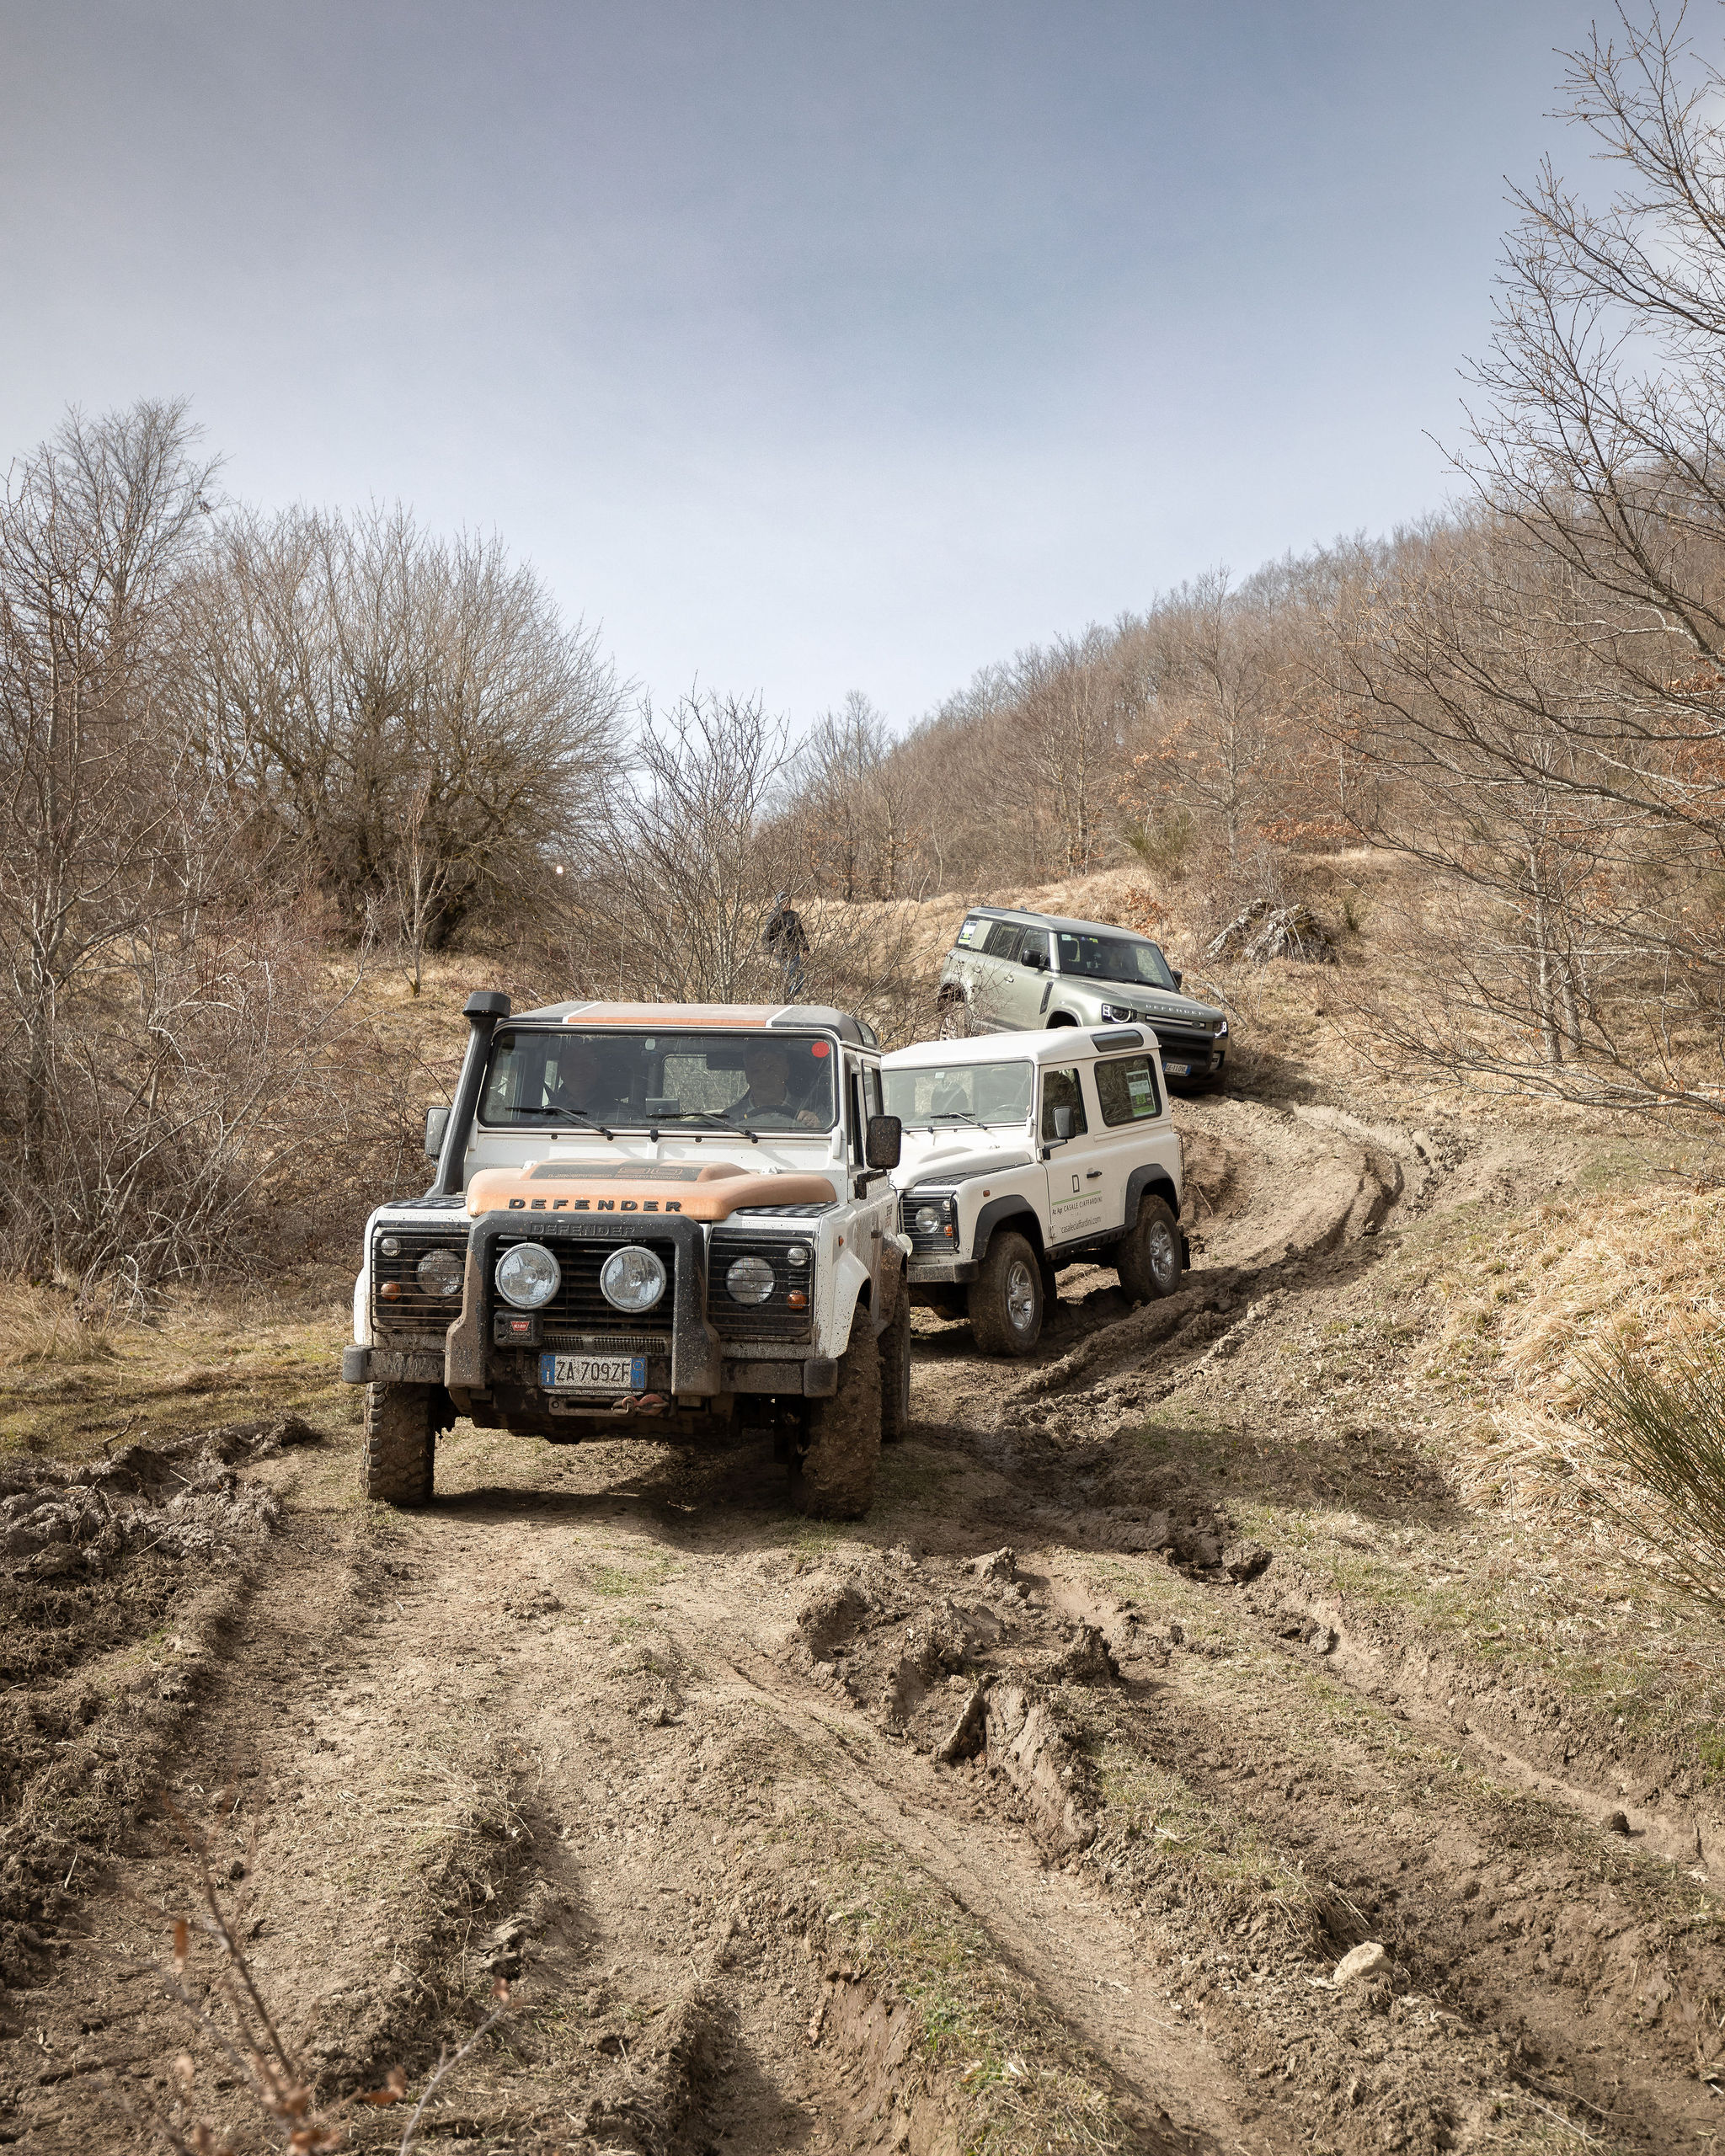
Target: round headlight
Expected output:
[441,1272]
[927,1220]
[391,1247]
[798,1254]
[527,1276]
[750,1280]
[631,1279]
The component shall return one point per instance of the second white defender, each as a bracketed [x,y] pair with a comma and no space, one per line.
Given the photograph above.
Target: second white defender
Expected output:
[1026,1152]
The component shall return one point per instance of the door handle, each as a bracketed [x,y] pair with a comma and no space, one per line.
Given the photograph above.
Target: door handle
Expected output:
[1094,1176]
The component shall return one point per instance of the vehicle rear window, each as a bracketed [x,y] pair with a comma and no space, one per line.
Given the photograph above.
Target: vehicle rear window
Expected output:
[970,935]
[1126,1090]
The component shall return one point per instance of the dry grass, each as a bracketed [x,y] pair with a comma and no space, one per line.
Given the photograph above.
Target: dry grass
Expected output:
[1640,1265]
[68,1388]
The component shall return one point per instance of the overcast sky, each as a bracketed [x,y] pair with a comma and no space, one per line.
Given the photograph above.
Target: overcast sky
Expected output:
[803,347]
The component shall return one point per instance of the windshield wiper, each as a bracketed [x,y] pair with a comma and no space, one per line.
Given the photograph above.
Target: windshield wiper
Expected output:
[713,1116]
[574,1115]
[956,1115]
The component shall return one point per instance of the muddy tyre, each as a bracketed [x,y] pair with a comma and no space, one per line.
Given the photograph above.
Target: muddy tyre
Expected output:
[834,1477]
[896,1370]
[401,1442]
[1148,1257]
[1005,1297]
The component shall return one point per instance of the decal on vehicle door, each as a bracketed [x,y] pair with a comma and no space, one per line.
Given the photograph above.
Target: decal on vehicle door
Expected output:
[1077,1210]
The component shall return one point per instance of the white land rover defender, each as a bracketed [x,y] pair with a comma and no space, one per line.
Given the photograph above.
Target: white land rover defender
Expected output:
[648,1219]
[1025,1152]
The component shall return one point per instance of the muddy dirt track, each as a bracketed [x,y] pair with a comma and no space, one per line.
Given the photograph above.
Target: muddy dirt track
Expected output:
[1036,1811]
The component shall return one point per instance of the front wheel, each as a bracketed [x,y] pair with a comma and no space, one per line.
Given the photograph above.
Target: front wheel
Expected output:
[1005,1297]
[396,1462]
[1148,1256]
[834,1477]
[953,1019]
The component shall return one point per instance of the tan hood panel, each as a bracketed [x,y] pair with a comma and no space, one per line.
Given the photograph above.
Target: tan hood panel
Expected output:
[649,1187]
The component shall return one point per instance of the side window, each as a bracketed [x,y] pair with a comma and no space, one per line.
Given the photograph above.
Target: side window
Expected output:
[1061,1090]
[971,935]
[871,1090]
[1002,941]
[1033,951]
[1126,1090]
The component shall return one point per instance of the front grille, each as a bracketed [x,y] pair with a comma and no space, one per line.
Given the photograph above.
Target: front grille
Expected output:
[774,1319]
[931,1242]
[414,1308]
[578,1313]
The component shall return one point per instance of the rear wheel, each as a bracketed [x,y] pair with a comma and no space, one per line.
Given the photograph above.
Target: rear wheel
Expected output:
[834,1477]
[401,1443]
[896,1370]
[1005,1297]
[1148,1257]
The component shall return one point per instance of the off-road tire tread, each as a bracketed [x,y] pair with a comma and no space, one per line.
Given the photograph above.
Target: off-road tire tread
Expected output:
[398,1459]
[994,1331]
[1132,1257]
[896,1370]
[834,1477]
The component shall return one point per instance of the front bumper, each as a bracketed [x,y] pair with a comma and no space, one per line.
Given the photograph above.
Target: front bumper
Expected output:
[695,1362]
[812,1376]
[923,1269]
[1202,1055]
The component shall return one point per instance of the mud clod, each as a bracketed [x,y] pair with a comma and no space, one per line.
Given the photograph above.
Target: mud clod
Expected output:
[1088,1661]
[1246,1560]
[1367,1960]
[999,1568]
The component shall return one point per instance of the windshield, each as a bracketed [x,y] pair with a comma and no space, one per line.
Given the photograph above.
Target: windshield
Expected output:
[690,1080]
[958,1093]
[1114,957]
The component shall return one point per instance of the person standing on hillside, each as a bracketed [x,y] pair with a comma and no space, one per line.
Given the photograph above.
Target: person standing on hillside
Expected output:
[786,939]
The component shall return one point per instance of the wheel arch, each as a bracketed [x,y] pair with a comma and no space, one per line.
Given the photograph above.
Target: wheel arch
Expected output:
[996,1214]
[1150,1180]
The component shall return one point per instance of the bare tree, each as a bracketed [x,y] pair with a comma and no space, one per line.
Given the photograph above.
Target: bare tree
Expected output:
[362,683]
[678,884]
[1557,667]
[98,531]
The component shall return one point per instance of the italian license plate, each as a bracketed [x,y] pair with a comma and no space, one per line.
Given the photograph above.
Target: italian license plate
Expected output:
[607,1374]
[1177,1070]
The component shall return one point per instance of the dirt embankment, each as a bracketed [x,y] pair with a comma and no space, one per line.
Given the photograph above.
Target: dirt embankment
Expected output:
[1122,1782]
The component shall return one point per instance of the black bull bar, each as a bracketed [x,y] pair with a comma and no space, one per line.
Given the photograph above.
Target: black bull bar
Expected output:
[695,1367]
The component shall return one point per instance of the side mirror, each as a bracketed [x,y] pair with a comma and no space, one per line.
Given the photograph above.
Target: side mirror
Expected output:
[436,1124]
[1178,976]
[883,1142]
[1037,961]
[1063,1125]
